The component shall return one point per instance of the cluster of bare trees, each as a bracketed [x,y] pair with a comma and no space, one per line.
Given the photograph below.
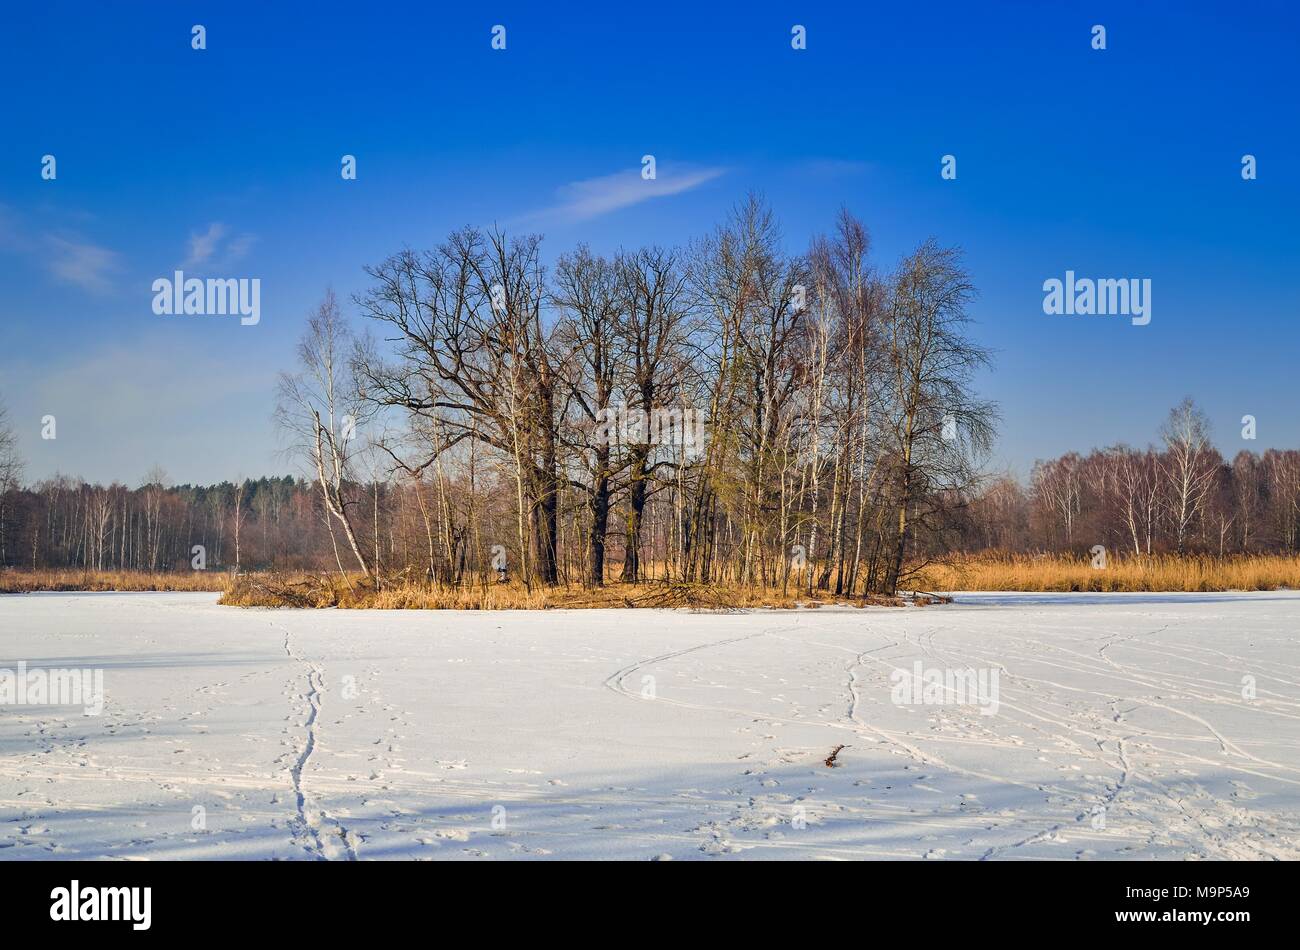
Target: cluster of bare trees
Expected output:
[1182,497]
[723,412]
[459,517]
[541,418]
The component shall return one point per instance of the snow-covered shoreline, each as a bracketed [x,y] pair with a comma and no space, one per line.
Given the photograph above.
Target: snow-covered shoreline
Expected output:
[1126,726]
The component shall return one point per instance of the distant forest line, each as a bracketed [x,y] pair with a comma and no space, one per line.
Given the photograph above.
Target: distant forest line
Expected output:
[1125,499]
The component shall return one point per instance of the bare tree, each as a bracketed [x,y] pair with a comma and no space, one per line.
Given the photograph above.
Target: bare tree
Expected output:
[1188,467]
[1136,487]
[1282,468]
[589,294]
[474,361]
[1247,485]
[154,490]
[649,326]
[11,471]
[322,407]
[237,518]
[936,425]
[1058,488]
[100,508]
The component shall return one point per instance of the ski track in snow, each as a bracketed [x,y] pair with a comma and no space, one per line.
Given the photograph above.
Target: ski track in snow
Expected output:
[1122,732]
[316,821]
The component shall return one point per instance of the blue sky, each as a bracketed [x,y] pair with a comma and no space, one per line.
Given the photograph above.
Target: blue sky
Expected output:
[1115,163]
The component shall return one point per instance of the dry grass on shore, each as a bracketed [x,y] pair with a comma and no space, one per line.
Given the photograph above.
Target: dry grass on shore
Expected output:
[21,582]
[1155,573]
[302,590]
[991,572]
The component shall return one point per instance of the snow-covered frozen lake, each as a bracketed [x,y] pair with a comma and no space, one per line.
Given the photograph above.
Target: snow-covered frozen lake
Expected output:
[1125,726]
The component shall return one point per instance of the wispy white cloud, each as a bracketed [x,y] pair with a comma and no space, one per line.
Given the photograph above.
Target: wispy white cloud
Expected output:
[80,262]
[207,247]
[593,197]
[65,255]
[203,246]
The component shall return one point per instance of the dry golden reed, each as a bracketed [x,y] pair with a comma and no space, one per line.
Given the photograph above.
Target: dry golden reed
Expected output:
[18,582]
[992,572]
[1154,573]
